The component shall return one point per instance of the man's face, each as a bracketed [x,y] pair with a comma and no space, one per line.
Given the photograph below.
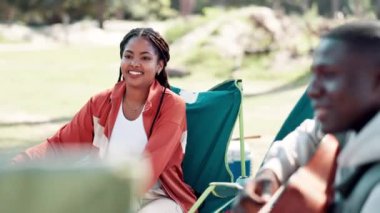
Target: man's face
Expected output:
[342,87]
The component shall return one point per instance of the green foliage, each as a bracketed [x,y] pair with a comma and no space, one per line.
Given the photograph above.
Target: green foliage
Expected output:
[52,11]
[201,4]
[180,27]
[149,9]
[207,61]
[213,12]
[2,39]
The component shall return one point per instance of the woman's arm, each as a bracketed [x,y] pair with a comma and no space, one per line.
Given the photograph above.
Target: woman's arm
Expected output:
[75,136]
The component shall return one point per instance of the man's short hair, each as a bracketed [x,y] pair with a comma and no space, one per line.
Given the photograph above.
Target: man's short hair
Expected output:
[361,36]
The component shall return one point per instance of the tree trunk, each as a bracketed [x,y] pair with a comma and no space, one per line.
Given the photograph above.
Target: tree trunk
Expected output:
[186,7]
[66,21]
[378,9]
[326,7]
[306,6]
[335,5]
[358,8]
[11,14]
[100,10]
[276,5]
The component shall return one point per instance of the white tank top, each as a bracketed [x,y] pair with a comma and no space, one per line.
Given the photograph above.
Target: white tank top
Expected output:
[128,138]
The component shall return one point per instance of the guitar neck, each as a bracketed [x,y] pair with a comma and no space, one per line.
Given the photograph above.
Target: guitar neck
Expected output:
[269,205]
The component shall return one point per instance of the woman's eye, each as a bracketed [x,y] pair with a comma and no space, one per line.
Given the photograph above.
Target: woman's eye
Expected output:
[145,58]
[127,56]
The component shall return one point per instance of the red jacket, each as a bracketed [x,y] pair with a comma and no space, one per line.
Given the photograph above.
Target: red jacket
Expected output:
[93,124]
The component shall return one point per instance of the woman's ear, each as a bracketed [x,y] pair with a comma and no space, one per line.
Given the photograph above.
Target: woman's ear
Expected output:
[160,66]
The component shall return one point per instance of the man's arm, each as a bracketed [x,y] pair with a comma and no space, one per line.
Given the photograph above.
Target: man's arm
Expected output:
[281,161]
[286,156]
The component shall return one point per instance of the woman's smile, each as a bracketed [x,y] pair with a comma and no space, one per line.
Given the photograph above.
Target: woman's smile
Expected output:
[135,73]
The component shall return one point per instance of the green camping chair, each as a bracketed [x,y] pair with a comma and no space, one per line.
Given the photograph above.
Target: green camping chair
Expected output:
[211,116]
[301,111]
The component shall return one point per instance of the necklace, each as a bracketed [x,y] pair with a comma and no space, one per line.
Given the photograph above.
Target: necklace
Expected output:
[133,109]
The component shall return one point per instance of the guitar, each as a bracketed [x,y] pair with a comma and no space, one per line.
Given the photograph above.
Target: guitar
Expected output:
[309,189]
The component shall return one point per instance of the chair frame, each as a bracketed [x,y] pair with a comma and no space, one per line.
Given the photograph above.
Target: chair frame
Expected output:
[234,187]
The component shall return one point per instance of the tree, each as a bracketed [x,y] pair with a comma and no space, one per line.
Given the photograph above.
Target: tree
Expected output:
[186,7]
[306,5]
[101,8]
[335,6]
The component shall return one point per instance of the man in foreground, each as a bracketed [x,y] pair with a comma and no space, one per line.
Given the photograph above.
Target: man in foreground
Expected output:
[345,94]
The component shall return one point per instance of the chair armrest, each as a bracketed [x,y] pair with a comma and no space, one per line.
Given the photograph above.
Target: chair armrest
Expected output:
[225,189]
[219,189]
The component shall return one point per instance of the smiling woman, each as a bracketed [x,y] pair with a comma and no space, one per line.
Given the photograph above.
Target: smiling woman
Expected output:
[139,116]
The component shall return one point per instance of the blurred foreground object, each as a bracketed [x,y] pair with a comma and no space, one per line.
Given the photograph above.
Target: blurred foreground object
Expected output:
[66,187]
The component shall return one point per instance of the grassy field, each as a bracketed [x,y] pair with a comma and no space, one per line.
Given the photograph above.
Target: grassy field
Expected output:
[42,88]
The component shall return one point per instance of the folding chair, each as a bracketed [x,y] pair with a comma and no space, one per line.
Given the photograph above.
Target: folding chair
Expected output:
[301,111]
[211,116]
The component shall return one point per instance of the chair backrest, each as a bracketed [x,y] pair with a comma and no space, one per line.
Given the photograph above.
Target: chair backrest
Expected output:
[301,111]
[211,116]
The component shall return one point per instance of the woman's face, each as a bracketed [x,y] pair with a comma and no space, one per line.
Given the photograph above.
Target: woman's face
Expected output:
[140,63]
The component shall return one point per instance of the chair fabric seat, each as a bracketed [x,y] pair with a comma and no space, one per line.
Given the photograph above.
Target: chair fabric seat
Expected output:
[211,117]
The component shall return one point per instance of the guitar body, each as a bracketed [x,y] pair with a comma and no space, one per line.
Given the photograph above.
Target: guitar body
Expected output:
[310,188]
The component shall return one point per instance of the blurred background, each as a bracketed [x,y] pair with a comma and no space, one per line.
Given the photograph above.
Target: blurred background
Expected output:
[56,54]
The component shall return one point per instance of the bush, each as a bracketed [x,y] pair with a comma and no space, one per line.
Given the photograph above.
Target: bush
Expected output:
[181,27]
[206,60]
[144,9]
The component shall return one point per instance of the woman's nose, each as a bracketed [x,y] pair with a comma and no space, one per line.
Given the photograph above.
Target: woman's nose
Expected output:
[133,63]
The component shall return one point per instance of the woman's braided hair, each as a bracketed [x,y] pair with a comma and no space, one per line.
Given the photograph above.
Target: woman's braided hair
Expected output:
[159,44]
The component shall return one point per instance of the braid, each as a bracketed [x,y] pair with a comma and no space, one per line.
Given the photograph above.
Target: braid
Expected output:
[160,45]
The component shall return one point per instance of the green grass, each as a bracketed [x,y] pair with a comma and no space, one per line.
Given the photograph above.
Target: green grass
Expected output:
[54,83]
